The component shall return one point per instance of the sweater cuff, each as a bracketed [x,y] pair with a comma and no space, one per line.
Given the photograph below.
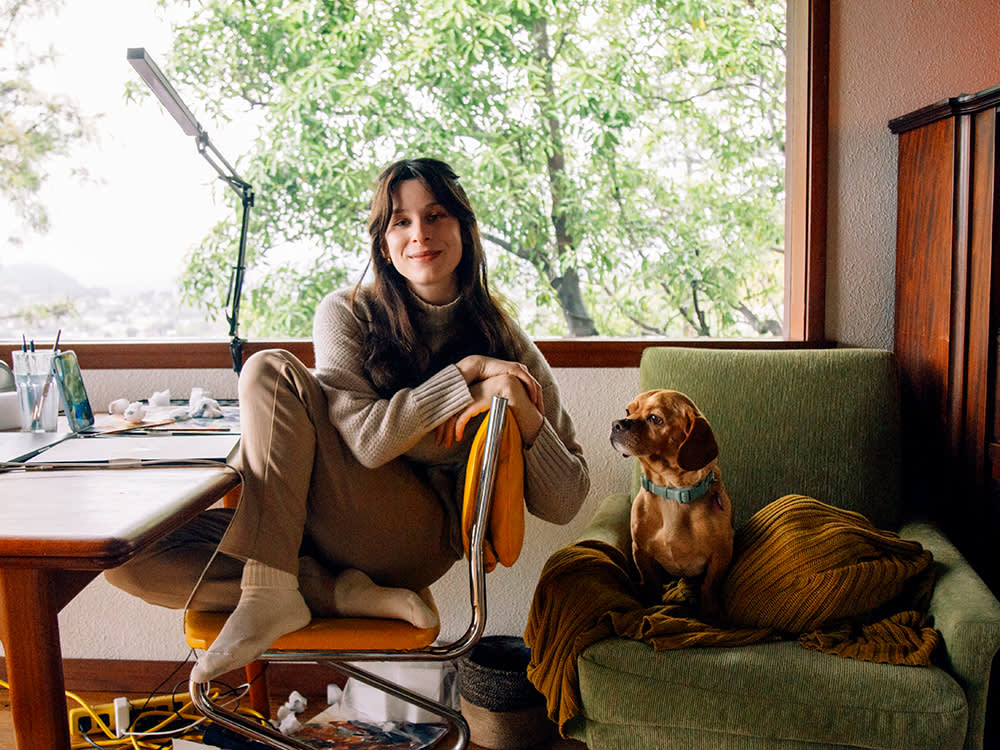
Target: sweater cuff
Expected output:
[547,455]
[441,396]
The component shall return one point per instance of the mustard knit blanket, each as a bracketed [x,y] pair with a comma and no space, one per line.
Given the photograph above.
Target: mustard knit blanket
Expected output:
[801,569]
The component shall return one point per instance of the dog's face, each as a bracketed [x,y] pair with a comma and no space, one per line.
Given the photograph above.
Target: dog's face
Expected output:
[665,428]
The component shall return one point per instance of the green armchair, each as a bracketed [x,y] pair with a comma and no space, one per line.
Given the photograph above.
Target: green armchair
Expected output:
[822,423]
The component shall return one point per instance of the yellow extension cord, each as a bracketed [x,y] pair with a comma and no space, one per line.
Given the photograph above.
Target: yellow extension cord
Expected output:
[137,740]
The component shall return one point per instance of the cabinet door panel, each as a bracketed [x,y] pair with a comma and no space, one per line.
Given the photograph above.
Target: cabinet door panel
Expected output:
[924,276]
[979,373]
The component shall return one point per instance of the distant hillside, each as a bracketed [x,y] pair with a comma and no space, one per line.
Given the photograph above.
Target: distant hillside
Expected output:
[38,278]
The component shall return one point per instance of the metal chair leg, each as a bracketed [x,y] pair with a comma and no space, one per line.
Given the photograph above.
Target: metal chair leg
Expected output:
[265,733]
[451,716]
[231,720]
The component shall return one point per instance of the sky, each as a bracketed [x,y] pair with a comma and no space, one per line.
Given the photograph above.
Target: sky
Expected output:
[151,196]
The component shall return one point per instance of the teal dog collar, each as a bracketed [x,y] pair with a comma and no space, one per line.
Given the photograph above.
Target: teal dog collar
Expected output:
[683,495]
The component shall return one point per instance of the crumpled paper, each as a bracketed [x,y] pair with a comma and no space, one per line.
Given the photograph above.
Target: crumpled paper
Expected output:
[134,412]
[288,721]
[118,406]
[200,405]
[160,398]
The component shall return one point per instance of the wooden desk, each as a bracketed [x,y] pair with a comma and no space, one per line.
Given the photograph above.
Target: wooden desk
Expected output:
[58,530]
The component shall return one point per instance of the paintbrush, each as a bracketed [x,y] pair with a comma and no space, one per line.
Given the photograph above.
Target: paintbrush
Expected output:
[136,426]
[36,415]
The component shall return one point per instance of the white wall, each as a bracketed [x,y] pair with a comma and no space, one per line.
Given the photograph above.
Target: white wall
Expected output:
[105,623]
[887,58]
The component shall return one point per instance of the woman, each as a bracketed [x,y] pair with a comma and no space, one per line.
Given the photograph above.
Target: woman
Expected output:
[353,474]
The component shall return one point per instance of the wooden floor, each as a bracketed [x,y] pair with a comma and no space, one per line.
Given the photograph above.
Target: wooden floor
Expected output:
[7,729]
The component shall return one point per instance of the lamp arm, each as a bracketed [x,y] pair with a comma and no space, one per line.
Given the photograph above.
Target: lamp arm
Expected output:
[224,169]
[242,188]
[171,100]
[236,281]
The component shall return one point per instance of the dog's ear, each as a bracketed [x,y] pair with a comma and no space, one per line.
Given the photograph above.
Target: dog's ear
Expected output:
[699,447]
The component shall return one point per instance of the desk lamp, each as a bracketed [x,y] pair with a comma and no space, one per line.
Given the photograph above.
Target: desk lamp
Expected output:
[171,100]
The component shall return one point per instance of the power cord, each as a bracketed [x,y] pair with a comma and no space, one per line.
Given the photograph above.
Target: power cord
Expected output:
[151,738]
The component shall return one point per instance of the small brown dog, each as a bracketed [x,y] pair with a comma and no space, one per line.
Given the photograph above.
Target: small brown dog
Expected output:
[682,518]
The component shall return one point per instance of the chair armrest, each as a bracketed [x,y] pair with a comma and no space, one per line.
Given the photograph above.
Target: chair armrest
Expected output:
[967,614]
[610,523]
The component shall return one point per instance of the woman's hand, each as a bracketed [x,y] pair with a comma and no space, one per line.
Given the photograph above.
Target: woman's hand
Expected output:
[476,368]
[508,385]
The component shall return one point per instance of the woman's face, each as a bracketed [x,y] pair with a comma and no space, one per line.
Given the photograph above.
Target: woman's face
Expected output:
[424,243]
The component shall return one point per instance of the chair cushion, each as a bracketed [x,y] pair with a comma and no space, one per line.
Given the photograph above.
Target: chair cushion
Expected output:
[634,696]
[505,531]
[326,633]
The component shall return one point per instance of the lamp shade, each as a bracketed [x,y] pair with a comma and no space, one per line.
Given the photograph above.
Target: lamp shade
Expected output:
[169,98]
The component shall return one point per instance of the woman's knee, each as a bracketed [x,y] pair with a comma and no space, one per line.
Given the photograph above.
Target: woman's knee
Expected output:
[166,571]
[126,578]
[262,366]
[264,371]
[136,579]
[174,580]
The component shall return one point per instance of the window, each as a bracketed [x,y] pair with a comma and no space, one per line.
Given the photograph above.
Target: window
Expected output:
[149,135]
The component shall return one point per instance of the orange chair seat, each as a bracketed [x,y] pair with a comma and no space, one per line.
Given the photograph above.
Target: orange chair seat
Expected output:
[326,633]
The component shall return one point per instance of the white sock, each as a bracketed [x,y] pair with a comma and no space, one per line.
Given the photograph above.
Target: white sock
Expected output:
[357,595]
[270,606]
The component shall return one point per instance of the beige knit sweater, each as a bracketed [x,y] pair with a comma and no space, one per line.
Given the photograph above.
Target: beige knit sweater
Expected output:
[378,430]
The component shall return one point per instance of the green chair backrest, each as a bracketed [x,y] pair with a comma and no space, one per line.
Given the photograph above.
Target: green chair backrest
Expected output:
[819,422]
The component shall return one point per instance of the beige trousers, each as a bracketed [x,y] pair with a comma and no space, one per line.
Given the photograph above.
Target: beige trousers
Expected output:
[304,494]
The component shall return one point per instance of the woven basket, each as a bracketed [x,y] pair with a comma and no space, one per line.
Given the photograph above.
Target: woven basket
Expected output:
[503,708]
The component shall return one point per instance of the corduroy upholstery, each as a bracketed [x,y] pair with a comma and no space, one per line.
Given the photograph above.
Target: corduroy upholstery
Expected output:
[822,423]
[825,424]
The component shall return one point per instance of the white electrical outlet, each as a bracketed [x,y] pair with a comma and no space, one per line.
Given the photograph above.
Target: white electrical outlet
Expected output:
[123,710]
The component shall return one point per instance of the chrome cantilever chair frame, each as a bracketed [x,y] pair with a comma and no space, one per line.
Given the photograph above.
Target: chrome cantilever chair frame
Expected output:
[337,660]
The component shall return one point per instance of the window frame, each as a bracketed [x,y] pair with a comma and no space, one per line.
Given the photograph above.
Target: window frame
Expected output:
[807,95]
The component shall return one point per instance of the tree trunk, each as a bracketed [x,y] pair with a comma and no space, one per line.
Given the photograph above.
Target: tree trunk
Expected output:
[567,285]
[573,307]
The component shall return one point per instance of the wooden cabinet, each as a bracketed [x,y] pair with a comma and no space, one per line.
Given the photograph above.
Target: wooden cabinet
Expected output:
[946,315]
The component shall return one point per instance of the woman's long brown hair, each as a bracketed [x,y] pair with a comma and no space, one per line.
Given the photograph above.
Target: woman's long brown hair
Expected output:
[395,356]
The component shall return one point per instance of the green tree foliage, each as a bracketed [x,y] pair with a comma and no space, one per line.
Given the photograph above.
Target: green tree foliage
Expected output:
[626,157]
[34,126]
